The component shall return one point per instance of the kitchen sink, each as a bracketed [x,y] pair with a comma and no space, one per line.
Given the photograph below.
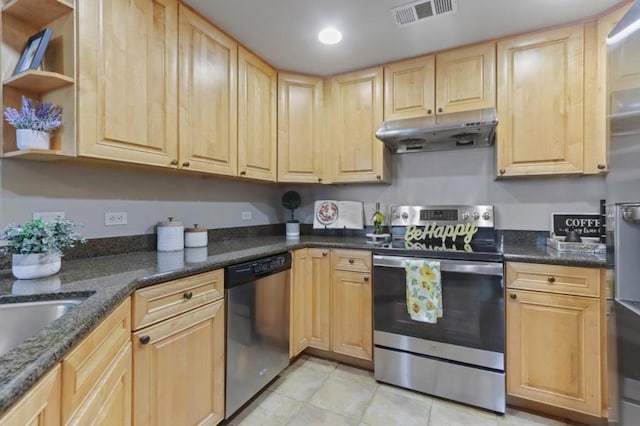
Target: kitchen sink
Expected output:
[20,321]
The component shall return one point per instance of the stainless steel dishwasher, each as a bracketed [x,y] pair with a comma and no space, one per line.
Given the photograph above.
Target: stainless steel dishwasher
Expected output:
[257,295]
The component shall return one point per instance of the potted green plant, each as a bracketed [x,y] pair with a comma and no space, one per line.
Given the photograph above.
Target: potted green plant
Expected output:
[34,123]
[291,201]
[37,246]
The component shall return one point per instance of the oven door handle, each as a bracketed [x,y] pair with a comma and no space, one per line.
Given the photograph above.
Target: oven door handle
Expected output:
[481,268]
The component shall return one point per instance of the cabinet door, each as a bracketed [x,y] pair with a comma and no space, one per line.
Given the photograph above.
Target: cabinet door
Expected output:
[110,401]
[540,103]
[127,70]
[300,320]
[40,406]
[466,78]
[352,314]
[299,128]
[85,368]
[208,130]
[319,306]
[409,88]
[553,350]
[357,155]
[257,125]
[179,372]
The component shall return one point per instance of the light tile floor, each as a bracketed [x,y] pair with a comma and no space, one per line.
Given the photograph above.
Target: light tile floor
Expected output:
[315,391]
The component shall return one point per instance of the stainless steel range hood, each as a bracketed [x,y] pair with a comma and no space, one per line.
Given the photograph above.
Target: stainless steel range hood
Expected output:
[468,129]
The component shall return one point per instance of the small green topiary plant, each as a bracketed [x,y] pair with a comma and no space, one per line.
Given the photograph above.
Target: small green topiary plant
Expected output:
[291,201]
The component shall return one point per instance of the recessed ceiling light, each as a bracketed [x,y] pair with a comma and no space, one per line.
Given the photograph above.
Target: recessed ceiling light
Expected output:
[330,36]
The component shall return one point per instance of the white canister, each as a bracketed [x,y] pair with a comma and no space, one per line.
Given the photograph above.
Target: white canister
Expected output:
[293,230]
[196,237]
[170,235]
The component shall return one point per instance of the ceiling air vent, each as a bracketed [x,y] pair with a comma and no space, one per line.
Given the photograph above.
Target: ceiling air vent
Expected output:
[410,13]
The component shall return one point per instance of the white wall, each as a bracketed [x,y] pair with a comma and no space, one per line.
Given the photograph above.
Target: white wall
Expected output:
[86,192]
[467,176]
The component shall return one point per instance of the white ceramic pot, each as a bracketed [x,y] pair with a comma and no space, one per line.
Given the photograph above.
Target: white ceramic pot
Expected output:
[32,139]
[293,229]
[170,235]
[196,237]
[29,266]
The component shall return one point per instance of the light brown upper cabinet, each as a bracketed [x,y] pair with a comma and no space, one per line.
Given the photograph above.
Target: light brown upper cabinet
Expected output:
[127,72]
[208,96]
[356,114]
[409,89]
[299,128]
[540,103]
[257,125]
[456,80]
[466,78]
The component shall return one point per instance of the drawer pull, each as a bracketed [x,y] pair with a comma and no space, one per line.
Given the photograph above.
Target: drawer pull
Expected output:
[186,164]
[551,280]
[366,279]
[350,260]
[145,339]
[513,296]
[324,253]
[188,295]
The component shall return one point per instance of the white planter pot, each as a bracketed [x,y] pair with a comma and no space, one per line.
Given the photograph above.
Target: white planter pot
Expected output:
[292,230]
[29,266]
[31,139]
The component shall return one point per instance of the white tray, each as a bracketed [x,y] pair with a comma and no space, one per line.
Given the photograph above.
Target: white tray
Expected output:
[577,247]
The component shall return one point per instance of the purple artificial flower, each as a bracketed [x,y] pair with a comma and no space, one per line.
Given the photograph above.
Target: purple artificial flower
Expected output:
[42,117]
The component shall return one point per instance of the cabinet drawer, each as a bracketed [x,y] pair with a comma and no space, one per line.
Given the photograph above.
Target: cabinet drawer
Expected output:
[351,260]
[162,301]
[554,279]
[84,367]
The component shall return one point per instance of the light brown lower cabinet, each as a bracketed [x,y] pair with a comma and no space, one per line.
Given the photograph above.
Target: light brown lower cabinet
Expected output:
[179,369]
[554,341]
[351,330]
[40,406]
[96,375]
[331,302]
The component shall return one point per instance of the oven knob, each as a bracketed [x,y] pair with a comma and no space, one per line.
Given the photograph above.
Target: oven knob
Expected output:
[476,215]
[486,216]
[465,216]
[405,215]
[396,216]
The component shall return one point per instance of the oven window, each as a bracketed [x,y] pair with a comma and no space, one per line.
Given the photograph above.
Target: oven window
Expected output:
[473,309]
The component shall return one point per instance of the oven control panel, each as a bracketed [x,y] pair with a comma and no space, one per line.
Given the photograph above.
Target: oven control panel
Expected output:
[481,216]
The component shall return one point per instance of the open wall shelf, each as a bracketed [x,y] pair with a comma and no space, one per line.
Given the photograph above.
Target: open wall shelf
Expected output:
[38,82]
[37,12]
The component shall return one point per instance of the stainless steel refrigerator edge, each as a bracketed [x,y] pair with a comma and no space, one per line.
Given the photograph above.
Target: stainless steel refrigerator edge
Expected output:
[623,197]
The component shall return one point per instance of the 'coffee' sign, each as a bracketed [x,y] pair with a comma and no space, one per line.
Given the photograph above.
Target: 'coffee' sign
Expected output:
[587,225]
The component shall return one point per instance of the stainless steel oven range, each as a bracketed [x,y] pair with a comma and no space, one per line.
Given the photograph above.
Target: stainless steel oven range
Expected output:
[461,356]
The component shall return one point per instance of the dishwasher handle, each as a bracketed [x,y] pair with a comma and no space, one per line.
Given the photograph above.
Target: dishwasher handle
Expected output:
[250,271]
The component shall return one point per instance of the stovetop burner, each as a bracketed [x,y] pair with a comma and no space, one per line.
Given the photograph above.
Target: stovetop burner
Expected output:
[445,232]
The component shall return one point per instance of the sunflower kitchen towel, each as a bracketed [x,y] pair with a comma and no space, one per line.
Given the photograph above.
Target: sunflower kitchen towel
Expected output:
[424,292]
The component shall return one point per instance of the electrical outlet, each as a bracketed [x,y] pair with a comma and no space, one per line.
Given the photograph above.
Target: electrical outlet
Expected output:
[115,218]
[48,216]
[246,215]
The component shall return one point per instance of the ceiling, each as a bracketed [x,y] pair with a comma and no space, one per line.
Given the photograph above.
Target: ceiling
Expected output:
[284,32]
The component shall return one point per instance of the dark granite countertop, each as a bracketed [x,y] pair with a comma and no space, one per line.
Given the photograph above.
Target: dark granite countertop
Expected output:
[108,280]
[536,251]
